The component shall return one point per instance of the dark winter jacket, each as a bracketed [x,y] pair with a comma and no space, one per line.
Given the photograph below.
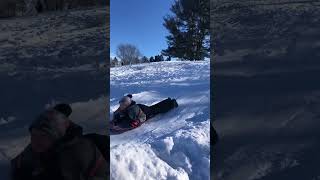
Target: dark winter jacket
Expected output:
[132,113]
[72,158]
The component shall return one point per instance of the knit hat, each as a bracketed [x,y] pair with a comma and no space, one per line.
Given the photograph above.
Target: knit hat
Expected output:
[64,109]
[126,99]
[51,122]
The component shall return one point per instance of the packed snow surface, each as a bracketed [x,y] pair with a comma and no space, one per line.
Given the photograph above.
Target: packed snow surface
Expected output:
[175,145]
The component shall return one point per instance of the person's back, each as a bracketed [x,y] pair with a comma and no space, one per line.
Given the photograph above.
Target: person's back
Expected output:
[29,165]
[76,159]
[81,158]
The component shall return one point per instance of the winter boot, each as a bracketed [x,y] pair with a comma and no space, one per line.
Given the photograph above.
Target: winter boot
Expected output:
[163,106]
[174,102]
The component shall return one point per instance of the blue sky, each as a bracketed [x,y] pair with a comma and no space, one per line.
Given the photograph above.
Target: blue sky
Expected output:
[139,22]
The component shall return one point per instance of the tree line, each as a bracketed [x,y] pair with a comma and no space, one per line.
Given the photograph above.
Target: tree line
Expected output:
[189,35]
[128,54]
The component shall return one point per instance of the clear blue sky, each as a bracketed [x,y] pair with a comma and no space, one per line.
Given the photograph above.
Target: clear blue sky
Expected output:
[139,22]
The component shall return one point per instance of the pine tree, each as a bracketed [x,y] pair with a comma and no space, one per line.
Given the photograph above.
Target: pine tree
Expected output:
[144,59]
[114,62]
[189,29]
[161,58]
[158,58]
[151,59]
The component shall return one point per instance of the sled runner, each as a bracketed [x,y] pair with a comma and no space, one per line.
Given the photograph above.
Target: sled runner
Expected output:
[118,129]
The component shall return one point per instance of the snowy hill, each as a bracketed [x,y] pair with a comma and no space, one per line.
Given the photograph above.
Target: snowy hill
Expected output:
[56,39]
[14,8]
[266,95]
[276,30]
[174,145]
[266,91]
[268,126]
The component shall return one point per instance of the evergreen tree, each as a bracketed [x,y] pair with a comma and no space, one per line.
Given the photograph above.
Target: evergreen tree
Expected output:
[156,58]
[151,59]
[189,30]
[144,59]
[161,58]
[114,62]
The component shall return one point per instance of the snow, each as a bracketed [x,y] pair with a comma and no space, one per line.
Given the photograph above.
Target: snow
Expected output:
[172,145]
[267,103]
[142,163]
[7,120]
[66,37]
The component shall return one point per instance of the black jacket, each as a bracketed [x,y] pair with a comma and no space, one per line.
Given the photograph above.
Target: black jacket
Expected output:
[72,158]
[132,112]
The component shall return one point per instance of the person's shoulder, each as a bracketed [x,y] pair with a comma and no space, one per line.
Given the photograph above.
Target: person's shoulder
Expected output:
[24,158]
[134,107]
[80,142]
[80,147]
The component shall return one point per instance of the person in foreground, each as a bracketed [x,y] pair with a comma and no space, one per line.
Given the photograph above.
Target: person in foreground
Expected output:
[58,151]
[130,115]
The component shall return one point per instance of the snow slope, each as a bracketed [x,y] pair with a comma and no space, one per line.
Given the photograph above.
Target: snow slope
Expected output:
[56,39]
[267,97]
[174,145]
[268,127]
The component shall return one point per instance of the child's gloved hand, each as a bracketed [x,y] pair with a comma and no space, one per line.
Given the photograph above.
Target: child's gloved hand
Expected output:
[134,123]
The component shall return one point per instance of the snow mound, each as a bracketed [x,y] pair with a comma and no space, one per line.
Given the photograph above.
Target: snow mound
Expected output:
[138,161]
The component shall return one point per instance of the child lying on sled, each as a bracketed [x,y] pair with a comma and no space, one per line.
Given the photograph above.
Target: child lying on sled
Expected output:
[131,115]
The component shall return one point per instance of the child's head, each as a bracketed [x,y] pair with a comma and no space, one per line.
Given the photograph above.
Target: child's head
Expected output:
[47,128]
[125,101]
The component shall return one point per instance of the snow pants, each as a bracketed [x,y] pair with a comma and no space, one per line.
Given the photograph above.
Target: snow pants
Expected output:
[158,108]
